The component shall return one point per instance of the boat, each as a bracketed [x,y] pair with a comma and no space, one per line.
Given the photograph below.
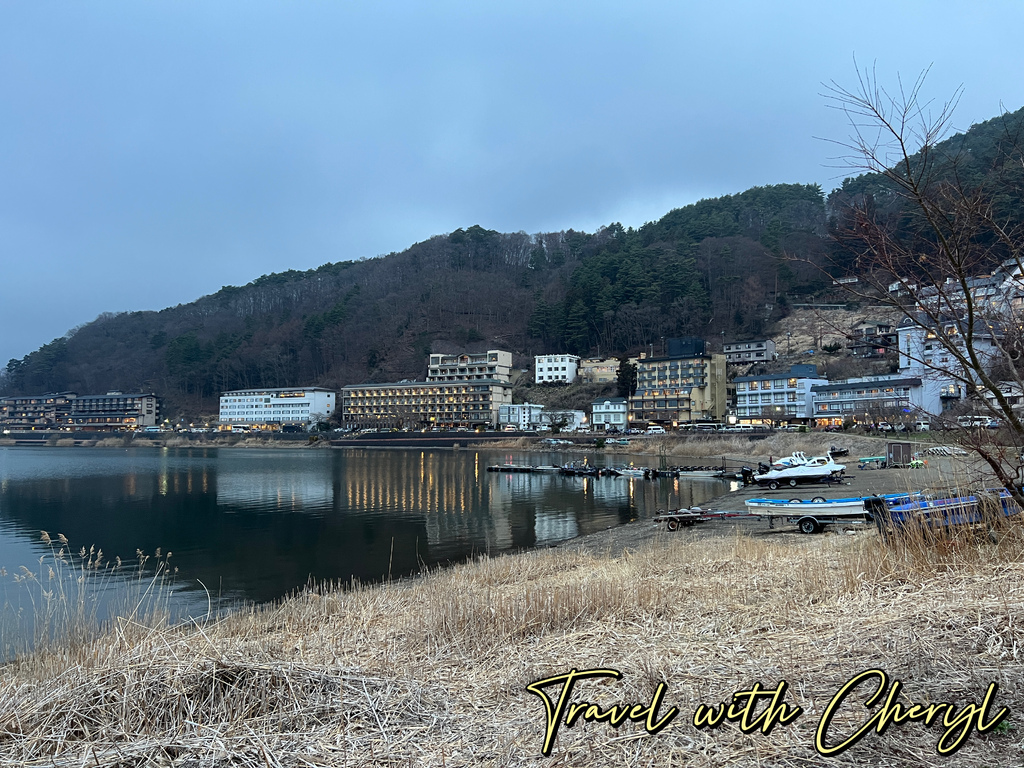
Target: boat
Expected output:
[700,472]
[812,516]
[578,470]
[798,507]
[522,468]
[944,512]
[819,469]
[634,472]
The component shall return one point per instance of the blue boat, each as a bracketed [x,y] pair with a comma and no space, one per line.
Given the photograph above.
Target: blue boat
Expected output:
[943,512]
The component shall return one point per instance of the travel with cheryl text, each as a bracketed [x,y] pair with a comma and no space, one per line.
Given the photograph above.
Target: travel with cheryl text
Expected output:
[759,708]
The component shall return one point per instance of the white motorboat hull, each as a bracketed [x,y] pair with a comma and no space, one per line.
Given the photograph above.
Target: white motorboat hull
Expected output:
[783,508]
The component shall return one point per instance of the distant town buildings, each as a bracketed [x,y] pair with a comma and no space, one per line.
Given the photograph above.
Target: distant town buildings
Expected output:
[777,397]
[750,351]
[683,386]
[871,399]
[521,416]
[69,410]
[556,369]
[276,407]
[599,370]
[872,338]
[493,364]
[460,390]
[566,420]
[610,414]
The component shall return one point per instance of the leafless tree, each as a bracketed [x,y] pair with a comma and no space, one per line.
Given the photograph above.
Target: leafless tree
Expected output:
[929,235]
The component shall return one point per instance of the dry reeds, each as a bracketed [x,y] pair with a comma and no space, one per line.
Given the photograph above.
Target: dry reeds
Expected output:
[432,672]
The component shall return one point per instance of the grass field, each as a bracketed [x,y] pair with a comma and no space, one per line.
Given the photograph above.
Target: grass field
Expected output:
[433,672]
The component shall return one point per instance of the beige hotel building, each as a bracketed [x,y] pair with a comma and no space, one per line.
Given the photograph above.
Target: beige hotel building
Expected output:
[460,391]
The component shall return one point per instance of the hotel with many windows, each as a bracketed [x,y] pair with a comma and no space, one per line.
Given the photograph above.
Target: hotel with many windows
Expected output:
[555,369]
[270,408]
[871,399]
[68,410]
[778,397]
[683,386]
[460,391]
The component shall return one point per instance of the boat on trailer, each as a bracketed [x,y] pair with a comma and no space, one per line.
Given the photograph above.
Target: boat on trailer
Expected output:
[792,507]
[820,469]
[811,516]
[945,512]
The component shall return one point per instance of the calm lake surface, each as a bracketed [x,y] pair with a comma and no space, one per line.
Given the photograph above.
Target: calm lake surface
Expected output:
[257,524]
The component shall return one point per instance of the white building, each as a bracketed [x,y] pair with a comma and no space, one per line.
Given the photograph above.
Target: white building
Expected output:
[289,405]
[893,398]
[572,420]
[778,396]
[522,416]
[610,414]
[555,369]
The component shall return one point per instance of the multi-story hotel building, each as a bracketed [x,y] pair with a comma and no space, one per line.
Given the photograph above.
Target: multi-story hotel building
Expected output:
[555,369]
[493,364]
[48,411]
[750,351]
[869,399]
[686,385]
[272,407]
[778,396]
[68,410]
[460,391]
[114,411]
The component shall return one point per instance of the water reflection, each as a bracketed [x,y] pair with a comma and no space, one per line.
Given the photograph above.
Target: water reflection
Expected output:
[256,524]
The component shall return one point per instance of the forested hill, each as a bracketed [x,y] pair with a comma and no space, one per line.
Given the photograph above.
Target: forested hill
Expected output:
[713,267]
[988,158]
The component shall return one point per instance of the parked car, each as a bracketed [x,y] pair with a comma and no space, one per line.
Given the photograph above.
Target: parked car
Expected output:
[655,430]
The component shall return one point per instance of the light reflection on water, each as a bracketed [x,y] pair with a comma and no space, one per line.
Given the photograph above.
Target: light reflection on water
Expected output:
[257,524]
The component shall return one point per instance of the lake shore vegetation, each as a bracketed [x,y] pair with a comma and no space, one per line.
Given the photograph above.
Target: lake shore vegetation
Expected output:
[434,671]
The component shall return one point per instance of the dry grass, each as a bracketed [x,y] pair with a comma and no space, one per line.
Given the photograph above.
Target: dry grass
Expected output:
[433,672]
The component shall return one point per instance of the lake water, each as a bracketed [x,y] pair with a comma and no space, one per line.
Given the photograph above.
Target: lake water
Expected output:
[257,524]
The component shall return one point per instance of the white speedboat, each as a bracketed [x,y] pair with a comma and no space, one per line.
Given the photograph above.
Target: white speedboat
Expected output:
[635,472]
[818,469]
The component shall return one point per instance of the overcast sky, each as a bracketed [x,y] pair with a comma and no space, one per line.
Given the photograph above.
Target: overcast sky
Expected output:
[151,152]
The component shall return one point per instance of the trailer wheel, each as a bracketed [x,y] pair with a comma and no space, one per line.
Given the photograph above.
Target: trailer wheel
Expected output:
[773,485]
[818,499]
[672,525]
[808,525]
[796,501]
[792,482]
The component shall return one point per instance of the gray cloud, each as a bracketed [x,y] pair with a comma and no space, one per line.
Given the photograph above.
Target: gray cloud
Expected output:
[150,153]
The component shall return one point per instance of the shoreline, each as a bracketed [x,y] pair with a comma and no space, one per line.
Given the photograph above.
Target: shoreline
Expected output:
[435,670]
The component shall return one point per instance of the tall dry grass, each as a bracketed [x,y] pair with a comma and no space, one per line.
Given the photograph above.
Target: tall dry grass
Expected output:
[73,599]
[433,671]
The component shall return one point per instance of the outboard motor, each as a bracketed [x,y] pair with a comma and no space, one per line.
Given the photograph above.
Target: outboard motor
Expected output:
[748,475]
[762,468]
